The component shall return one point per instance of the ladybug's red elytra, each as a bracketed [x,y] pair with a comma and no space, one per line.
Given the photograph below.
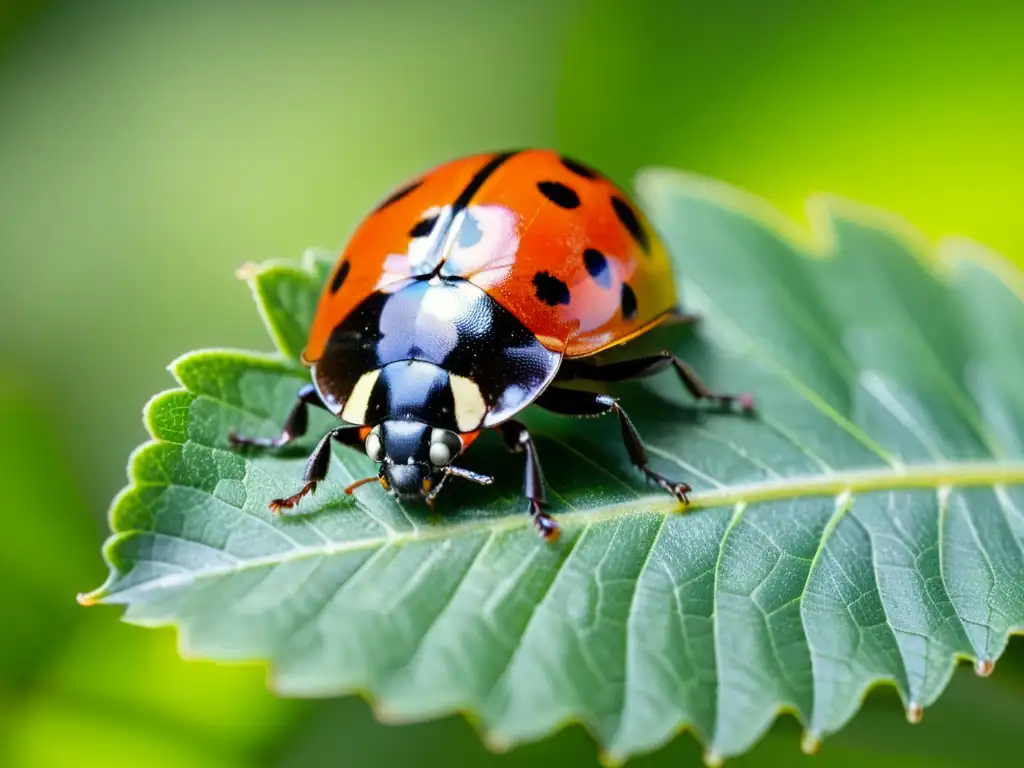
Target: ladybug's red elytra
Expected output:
[475,290]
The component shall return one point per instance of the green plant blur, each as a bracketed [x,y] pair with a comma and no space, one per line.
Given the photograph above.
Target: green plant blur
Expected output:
[148,149]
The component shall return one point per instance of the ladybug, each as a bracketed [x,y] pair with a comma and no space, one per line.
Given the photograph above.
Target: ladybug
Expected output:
[475,290]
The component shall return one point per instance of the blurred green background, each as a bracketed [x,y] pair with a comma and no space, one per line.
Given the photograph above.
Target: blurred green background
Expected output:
[147,149]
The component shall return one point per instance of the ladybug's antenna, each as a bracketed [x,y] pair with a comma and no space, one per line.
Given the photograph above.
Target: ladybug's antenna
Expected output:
[466,474]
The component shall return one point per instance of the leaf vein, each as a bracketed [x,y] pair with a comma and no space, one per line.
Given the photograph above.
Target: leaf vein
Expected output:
[784,374]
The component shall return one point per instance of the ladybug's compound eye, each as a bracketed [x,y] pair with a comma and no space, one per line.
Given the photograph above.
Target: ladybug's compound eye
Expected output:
[374,446]
[444,446]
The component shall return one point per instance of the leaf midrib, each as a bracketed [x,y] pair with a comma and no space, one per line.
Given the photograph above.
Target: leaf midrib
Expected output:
[921,476]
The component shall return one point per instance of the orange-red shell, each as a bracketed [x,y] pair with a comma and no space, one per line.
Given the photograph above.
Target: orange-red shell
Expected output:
[531,249]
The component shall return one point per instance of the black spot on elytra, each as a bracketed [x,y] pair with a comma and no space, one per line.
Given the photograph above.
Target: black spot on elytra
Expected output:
[628,302]
[423,227]
[559,194]
[579,168]
[597,267]
[399,195]
[550,289]
[339,276]
[631,222]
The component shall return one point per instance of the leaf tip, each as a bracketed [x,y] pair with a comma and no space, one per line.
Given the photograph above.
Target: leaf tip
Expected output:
[317,255]
[713,759]
[247,271]
[914,712]
[984,667]
[810,743]
[89,599]
[495,742]
[610,759]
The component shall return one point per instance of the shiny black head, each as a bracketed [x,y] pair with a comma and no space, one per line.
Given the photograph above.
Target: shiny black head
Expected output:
[415,458]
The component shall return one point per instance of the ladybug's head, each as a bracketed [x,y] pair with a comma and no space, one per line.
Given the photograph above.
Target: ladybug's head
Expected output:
[415,458]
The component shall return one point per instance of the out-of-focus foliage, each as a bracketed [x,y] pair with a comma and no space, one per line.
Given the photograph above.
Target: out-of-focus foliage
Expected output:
[149,143]
[76,686]
[913,108]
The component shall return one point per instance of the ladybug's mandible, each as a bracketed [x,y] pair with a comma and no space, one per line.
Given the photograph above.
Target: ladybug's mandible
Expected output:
[467,295]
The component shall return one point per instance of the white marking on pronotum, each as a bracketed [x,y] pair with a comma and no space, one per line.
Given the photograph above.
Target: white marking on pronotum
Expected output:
[469,403]
[355,408]
[412,316]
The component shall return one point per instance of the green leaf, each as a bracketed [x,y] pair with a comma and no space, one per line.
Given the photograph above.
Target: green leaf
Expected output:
[867,527]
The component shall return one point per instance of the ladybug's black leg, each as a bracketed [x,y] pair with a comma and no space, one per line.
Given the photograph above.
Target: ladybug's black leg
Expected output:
[316,467]
[573,402]
[642,367]
[294,426]
[517,439]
